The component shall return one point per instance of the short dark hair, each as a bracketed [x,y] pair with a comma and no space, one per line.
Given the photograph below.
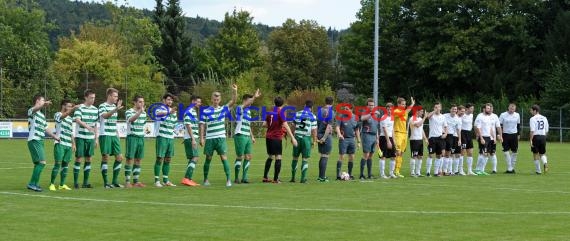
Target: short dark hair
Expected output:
[468,105]
[309,103]
[452,105]
[436,103]
[37,97]
[535,108]
[165,96]
[329,100]
[88,92]
[111,91]
[460,107]
[195,97]
[246,96]
[369,100]
[65,102]
[137,97]
[278,101]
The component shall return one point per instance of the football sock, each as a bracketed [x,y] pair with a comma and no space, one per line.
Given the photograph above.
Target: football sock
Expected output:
[293,169]
[226,165]
[76,169]
[267,167]
[116,171]
[136,173]
[428,164]
[304,169]
[104,170]
[246,169]
[54,172]
[362,164]
[63,174]
[275,172]
[190,169]
[513,160]
[86,172]
[128,169]
[157,166]
[207,167]
[165,171]
[237,168]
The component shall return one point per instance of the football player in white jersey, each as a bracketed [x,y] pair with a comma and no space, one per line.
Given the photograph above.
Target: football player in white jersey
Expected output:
[452,142]
[437,135]
[538,131]
[386,142]
[484,127]
[467,137]
[511,125]
[417,134]
[498,135]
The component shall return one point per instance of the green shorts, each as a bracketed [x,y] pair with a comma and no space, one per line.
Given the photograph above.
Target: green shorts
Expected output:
[190,152]
[110,145]
[303,147]
[217,144]
[243,144]
[164,147]
[36,150]
[84,147]
[62,153]
[135,147]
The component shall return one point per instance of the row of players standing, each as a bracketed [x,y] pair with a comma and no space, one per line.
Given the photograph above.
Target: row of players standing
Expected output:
[449,140]
[391,139]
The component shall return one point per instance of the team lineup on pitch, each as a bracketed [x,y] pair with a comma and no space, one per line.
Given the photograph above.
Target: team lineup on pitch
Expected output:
[385,134]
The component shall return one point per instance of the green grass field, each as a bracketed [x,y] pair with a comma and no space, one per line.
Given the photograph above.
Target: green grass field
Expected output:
[498,207]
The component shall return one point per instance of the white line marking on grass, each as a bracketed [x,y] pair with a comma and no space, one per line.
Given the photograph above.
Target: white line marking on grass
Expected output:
[294,209]
[10,168]
[480,187]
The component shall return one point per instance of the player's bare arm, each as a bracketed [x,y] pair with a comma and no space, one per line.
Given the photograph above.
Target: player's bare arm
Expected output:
[108,114]
[234,95]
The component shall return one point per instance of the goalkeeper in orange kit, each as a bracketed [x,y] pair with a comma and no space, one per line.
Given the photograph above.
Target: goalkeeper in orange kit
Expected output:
[400,114]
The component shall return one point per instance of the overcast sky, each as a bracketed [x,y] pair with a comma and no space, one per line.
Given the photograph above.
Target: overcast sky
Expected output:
[332,13]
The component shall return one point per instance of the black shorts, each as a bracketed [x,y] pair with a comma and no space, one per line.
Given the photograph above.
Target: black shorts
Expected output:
[466,140]
[436,145]
[452,144]
[489,146]
[417,148]
[273,146]
[510,142]
[538,145]
[326,147]
[387,153]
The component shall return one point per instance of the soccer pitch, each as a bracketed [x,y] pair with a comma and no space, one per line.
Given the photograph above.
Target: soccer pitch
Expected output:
[497,207]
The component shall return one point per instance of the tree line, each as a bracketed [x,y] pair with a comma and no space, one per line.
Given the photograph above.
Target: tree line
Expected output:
[450,50]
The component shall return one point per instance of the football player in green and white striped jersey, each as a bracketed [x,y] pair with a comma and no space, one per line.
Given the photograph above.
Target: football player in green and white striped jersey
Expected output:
[164,130]
[109,136]
[306,135]
[213,133]
[191,135]
[86,116]
[136,119]
[37,125]
[63,149]
[243,138]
